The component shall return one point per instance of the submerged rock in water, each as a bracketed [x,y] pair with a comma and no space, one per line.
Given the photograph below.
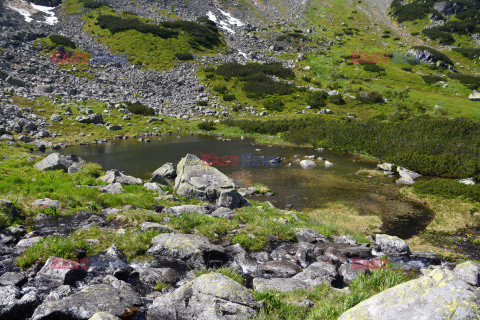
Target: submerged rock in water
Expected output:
[197,181]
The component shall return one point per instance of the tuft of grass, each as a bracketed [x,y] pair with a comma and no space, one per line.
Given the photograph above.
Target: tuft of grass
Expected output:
[212,228]
[132,243]
[329,303]
[161,285]
[231,273]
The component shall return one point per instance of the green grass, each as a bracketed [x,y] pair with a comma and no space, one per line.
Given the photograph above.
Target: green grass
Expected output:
[329,303]
[133,244]
[232,274]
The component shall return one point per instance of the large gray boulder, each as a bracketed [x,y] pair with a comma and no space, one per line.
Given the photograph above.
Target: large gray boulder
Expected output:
[57,271]
[211,296]
[95,118]
[186,250]
[90,300]
[56,161]
[114,176]
[407,176]
[437,296]
[197,181]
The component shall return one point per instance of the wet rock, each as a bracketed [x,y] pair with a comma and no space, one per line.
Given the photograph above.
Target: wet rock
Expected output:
[206,183]
[280,269]
[90,300]
[392,245]
[114,176]
[58,271]
[279,284]
[437,296]
[186,250]
[16,306]
[211,296]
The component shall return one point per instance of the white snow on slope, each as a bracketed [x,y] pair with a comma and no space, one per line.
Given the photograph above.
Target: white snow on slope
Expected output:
[26,9]
[51,19]
[227,22]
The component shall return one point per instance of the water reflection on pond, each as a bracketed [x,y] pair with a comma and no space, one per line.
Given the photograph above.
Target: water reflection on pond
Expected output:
[302,188]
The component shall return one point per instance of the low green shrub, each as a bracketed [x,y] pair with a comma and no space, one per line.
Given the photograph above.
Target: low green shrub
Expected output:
[431,78]
[447,189]
[206,126]
[138,108]
[274,105]
[229,97]
[471,82]
[184,56]
[372,67]
[470,53]
[63,41]
[317,99]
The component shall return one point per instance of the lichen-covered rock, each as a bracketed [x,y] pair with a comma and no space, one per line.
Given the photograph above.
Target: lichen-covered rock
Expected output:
[90,300]
[470,272]
[186,250]
[206,183]
[211,296]
[104,316]
[437,296]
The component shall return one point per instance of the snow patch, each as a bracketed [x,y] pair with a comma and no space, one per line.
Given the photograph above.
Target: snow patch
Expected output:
[23,12]
[51,19]
[225,24]
[26,9]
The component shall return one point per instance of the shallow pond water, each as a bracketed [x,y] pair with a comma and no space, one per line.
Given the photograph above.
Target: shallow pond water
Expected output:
[292,185]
